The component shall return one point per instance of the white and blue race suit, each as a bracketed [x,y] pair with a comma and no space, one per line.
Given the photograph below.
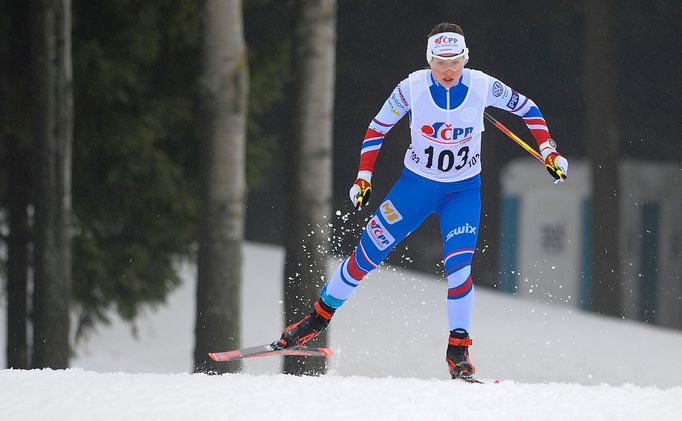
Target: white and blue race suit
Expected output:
[441,175]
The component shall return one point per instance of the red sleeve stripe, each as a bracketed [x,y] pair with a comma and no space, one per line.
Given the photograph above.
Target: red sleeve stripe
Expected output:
[369,148]
[382,124]
[536,123]
[371,134]
[535,120]
[367,160]
[537,127]
[540,135]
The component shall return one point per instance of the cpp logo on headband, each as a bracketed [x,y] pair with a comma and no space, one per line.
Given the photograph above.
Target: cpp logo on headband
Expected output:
[445,39]
[445,42]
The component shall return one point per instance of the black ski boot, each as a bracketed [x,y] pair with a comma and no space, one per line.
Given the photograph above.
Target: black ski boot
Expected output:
[457,354]
[307,328]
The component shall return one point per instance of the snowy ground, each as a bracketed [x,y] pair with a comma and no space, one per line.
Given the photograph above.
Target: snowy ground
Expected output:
[86,395]
[554,362]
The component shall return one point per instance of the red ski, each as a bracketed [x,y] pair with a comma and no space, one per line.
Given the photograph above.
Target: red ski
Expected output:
[269,349]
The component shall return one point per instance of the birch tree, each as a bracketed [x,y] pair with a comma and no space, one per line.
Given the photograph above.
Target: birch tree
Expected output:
[52,79]
[223,103]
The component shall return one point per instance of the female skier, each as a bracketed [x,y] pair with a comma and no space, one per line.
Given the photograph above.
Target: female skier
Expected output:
[445,104]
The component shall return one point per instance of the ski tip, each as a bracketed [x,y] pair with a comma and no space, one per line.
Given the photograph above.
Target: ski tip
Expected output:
[219,356]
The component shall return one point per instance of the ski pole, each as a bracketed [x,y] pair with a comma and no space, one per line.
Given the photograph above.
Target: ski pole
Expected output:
[514,137]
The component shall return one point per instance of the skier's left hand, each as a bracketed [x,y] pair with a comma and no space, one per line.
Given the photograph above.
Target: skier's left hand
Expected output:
[557,166]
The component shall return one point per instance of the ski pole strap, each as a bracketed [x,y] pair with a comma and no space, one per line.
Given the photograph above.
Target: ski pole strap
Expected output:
[460,341]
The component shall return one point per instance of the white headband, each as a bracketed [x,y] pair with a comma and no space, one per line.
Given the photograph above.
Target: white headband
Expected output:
[446,43]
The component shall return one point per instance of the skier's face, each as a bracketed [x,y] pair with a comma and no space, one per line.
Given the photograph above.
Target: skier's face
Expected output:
[447,72]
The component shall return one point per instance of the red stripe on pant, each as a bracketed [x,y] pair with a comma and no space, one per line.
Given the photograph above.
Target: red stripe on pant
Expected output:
[353,268]
[460,290]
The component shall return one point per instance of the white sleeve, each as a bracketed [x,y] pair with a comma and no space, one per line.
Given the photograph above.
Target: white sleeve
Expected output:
[395,107]
[505,98]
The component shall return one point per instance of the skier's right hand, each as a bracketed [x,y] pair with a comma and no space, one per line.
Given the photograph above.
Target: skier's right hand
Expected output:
[360,192]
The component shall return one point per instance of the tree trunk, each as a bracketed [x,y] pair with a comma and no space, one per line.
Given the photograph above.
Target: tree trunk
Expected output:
[310,167]
[17,259]
[53,131]
[15,64]
[223,102]
[604,148]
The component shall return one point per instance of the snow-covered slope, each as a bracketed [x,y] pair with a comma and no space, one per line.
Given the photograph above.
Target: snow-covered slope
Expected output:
[86,395]
[390,341]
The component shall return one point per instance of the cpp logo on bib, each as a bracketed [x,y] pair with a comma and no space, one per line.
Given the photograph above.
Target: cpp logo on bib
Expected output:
[379,235]
[442,132]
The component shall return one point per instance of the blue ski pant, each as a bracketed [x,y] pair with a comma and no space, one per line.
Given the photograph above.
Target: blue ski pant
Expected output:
[410,201]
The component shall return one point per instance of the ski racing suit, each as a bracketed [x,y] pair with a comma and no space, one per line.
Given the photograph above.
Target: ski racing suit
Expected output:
[441,175]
